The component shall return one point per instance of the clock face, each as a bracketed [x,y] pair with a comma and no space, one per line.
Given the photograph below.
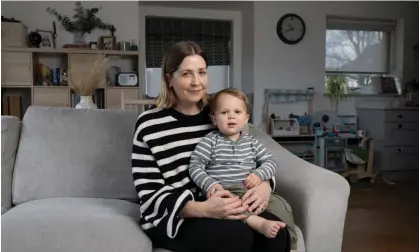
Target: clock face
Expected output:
[291,29]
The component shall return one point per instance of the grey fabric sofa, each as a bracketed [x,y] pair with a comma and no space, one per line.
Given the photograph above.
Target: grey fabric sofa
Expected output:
[67,186]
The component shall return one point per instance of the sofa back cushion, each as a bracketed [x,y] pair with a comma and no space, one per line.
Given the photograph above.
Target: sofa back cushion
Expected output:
[65,152]
[10,130]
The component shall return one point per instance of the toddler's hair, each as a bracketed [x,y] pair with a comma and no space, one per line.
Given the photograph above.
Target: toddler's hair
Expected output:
[233,92]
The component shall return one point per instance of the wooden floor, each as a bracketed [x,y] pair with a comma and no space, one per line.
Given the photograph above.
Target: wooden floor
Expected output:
[383,218]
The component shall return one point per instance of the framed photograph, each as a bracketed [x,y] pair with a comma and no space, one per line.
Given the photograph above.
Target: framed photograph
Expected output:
[107,43]
[47,39]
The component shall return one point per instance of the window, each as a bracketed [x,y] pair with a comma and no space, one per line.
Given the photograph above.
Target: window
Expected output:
[359,49]
[212,35]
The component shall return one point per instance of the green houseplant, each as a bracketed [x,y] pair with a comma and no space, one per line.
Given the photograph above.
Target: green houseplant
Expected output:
[336,89]
[83,21]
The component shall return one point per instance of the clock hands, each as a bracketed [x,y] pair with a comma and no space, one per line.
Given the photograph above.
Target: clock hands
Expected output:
[290,28]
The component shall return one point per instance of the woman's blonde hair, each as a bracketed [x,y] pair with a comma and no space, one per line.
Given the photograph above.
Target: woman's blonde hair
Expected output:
[172,59]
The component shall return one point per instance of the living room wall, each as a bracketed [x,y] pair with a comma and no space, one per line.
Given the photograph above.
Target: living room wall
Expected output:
[277,65]
[267,63]
[123,15]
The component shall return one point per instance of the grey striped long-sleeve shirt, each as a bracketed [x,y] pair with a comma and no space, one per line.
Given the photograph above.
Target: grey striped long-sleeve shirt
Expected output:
[218,159]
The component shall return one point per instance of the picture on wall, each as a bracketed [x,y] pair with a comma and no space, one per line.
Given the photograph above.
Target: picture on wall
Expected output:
[47,39]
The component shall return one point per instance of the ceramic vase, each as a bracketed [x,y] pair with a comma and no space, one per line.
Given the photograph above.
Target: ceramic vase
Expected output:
[86,102]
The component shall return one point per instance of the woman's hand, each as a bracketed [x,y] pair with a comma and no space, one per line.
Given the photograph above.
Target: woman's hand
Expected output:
[224,205]
[257,198]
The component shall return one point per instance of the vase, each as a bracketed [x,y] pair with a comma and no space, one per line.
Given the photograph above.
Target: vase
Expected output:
[79,38]
[86,102]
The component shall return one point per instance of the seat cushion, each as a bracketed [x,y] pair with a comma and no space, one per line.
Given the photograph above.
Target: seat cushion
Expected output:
[74,224]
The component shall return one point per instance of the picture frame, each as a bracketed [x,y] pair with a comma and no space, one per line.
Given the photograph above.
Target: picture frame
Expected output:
[48,40]
[107,43]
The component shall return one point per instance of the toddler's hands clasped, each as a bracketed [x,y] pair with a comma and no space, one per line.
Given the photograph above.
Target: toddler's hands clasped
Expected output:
[252,180]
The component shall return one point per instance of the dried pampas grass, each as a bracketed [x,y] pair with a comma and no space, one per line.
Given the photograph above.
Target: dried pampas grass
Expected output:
[87,85]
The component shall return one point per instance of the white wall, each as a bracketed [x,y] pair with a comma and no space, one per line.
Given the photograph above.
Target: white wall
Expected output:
[266,61]
[277,65]
[123,15]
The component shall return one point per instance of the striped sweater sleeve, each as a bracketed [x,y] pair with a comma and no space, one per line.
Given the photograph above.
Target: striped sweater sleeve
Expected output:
[199,160]
[266,165]
[160,203]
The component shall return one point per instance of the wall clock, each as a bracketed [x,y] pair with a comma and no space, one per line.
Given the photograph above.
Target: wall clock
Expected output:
[291,29]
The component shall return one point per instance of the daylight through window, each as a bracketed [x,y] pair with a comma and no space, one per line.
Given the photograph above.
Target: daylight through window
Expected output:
[358,49]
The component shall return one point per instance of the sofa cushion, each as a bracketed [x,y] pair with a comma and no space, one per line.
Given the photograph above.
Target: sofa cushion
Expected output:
[74,224]
[66,152]
[10,129]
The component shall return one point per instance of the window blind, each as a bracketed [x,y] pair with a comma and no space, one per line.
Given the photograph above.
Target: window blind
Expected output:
[212,35]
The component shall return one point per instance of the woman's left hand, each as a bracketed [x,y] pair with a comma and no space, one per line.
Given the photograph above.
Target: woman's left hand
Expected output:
[257,198]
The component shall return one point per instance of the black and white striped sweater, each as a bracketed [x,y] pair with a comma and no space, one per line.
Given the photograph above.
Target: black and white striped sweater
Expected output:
[164,140]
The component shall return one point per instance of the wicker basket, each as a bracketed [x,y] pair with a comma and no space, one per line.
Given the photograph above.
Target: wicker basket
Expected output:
[14,34]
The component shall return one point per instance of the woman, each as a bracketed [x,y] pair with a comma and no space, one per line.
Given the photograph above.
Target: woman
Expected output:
[173,216]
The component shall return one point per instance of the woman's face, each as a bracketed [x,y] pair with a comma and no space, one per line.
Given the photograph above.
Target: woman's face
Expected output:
[190,80]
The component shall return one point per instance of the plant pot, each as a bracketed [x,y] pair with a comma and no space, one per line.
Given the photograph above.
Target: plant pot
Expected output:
[86,102]
[79,38]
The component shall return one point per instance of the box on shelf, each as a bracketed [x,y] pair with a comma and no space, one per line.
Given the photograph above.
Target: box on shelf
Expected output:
[13,34]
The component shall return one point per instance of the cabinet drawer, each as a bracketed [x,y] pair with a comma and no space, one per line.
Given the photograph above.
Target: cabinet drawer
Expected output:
[402,116]
[51,97]
[401,158]
[402,133]
[113,96]
[16,69]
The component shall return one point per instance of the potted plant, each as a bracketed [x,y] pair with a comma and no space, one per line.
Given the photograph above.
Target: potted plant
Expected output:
[336,89]
[87,85]
[84,21]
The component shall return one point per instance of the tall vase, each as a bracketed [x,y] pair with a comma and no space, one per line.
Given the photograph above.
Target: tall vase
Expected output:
[79,38]
[86,102]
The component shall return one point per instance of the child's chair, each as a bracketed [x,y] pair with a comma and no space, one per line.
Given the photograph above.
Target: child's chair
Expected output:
[137,106]
[361,158]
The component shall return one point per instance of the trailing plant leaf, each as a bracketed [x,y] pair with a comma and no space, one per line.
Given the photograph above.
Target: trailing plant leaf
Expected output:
[84,20]
[336,88]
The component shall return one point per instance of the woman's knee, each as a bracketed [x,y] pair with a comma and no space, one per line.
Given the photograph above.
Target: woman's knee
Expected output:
[218,235]
[237,237]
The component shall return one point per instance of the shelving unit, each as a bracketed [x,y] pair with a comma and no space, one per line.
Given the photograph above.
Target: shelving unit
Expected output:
[303,146]
[21,87]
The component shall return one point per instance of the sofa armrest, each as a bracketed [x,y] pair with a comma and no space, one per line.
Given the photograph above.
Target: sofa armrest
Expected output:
[10,131]
[318,197]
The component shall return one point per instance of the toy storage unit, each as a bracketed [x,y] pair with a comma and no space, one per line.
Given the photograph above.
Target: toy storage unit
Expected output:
[293,133]
[303,146]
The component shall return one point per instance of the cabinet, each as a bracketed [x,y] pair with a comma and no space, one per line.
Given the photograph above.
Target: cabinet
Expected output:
[396,134]
[21,86]
[16,69]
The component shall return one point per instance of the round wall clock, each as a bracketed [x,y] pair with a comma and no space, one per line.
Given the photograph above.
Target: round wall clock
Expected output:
[291,29]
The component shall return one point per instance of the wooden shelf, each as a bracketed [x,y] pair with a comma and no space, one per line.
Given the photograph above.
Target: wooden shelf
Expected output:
[35,86]
[69,51]
[17,86]
[21,85]
[122,87]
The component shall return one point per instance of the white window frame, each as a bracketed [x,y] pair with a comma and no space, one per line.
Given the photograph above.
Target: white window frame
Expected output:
[348,23]
[236,35]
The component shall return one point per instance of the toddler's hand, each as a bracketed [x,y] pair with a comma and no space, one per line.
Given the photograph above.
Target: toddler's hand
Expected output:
[215,188]
[252,180]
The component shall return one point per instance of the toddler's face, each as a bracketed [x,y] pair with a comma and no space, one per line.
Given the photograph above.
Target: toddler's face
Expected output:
[230,114]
